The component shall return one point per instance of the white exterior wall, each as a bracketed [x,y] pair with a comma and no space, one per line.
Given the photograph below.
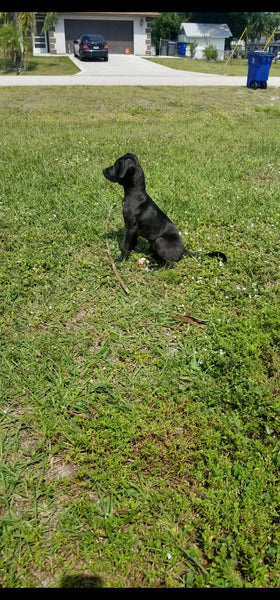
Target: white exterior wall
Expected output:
[139,37]
[60,34]
[202,43]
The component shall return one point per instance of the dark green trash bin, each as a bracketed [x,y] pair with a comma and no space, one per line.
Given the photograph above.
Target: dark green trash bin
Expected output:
[171,46]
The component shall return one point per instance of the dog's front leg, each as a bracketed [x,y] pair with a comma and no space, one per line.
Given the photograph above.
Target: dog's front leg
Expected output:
[129,242]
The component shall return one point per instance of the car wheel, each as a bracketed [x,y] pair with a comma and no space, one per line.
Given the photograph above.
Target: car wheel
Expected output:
[106,58]
[81,57]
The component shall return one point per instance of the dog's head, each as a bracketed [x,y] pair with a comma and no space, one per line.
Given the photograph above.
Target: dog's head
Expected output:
[124,169]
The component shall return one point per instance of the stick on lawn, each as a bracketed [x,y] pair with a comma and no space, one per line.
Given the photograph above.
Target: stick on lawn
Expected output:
[110,255]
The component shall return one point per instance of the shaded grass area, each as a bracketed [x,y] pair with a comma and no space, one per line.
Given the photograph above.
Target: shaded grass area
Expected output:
[136,451]
[238,66]
[42,65]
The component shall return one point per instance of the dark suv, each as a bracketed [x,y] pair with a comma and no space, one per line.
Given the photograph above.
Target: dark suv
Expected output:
[90,46]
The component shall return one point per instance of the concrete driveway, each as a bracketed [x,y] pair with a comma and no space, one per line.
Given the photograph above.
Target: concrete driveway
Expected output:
[128,70]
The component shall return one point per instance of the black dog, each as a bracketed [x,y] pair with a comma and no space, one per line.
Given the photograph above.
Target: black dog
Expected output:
[143,217]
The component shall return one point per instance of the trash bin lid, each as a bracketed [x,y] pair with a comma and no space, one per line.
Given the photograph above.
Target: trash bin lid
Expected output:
[260,53]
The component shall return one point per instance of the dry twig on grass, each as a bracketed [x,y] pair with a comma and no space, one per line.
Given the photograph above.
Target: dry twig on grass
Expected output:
[191,320]
[125,288]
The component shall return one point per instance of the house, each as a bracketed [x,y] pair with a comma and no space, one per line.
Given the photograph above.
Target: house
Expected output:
[121,30]
[204,34]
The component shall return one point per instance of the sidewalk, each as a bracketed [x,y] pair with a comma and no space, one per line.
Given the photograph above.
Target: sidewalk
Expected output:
[190,79]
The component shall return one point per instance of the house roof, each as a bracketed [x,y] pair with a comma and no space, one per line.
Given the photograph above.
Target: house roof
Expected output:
[113,14]
[199,30]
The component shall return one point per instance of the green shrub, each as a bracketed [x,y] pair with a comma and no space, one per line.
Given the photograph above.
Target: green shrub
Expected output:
[210,52]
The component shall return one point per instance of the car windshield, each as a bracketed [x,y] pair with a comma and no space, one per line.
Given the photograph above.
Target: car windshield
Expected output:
[92,38]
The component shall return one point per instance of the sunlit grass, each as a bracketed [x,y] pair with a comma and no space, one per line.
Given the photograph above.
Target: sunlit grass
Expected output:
[137,451]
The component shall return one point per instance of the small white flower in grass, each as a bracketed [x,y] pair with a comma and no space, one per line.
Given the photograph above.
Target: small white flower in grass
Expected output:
[168,556]
[221,351]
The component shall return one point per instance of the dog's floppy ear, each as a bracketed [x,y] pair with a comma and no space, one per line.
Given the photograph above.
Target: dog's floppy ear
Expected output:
[125,165]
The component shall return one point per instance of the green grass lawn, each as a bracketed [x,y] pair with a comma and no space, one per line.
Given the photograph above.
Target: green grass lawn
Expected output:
[137,451]
[42,65]
[234,67]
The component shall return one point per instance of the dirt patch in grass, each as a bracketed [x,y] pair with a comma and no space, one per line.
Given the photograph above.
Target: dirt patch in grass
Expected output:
[59,469]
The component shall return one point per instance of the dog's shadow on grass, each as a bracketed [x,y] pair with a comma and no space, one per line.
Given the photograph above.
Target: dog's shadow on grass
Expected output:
[81,581]
[142,246]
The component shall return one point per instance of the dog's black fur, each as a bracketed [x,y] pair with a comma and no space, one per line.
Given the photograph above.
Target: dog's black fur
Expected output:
[143,217]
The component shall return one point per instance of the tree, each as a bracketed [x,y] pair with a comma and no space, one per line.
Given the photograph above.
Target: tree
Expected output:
[50,18]
[15,32]
[16,29]
[10,42]
[167,27]
[25,23]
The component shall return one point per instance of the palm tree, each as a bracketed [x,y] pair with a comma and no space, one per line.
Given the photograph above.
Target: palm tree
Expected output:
[50,18]
[16,35]
[10,41]
[25,23]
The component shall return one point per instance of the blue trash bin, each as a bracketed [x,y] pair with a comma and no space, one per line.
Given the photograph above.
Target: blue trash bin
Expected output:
[181,48]
[258,69]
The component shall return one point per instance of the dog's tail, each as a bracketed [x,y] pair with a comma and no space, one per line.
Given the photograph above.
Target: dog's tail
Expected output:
[217,253]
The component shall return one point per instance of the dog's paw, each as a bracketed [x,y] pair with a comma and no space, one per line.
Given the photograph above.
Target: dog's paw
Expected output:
[142,262]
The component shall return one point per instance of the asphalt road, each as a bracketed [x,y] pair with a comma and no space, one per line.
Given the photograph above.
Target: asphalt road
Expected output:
[128,70]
